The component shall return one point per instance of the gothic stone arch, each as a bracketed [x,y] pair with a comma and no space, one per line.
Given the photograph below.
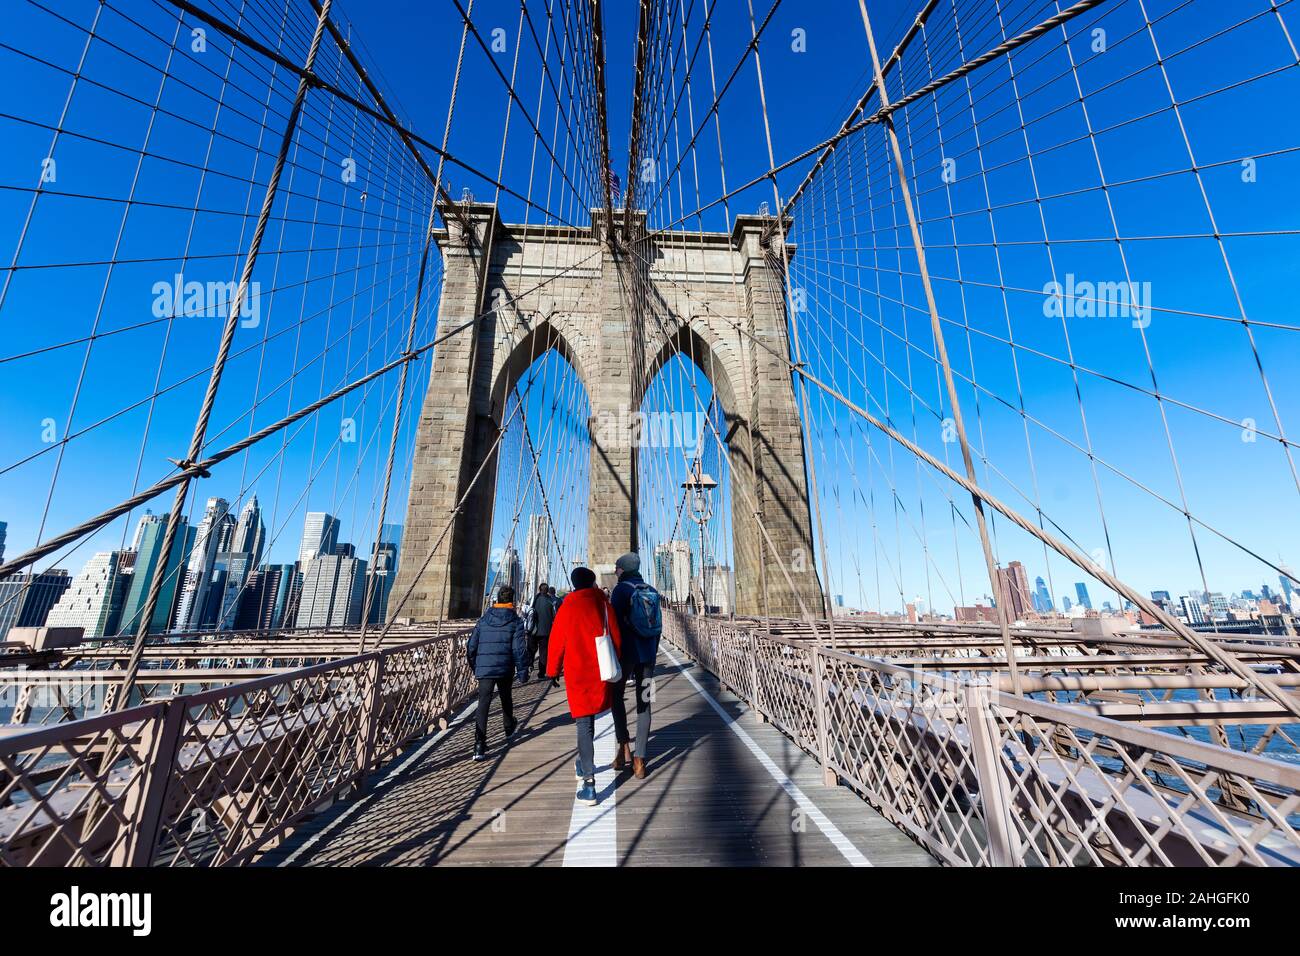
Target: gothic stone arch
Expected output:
[616,314]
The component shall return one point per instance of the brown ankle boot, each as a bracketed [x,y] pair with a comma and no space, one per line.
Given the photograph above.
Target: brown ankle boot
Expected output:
[638,767]
[621,757]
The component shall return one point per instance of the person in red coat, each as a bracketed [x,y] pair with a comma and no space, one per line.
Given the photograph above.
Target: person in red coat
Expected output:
[584,615]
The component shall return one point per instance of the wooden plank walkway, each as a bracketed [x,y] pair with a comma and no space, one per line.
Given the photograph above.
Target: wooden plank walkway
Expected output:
[716,794]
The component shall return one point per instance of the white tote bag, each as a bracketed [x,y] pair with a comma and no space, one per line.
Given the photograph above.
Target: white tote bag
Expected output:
[607,655]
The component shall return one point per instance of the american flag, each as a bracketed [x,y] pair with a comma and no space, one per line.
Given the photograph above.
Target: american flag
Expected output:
[615,184]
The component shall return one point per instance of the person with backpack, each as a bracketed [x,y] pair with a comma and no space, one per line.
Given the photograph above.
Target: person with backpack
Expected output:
[495,649]
[584,623]
[640,620]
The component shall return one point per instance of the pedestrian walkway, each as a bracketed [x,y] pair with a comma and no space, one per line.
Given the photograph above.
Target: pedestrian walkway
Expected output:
[724,789]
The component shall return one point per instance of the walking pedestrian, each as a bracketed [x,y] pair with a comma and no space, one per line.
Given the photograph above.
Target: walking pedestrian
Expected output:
[583,620]
[640,621]
[539,633]
[496,648]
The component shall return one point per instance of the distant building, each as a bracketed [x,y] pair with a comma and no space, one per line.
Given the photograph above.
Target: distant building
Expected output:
[148,540]
[215,531]
[719,587]
[320,535]
[1286,579]
[333,592]
[26,599]
[382,576]
[504,570]
[391,534]
[93,602]
[269,596]
[537,554]
[1043,596]
[1193,610]
[4,531]
[979,612]
[1013,591]
[238,567]
[250,533]
[673,566]
[1081,591]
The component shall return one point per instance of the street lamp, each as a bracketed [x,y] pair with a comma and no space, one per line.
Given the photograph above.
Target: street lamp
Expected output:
[699,487]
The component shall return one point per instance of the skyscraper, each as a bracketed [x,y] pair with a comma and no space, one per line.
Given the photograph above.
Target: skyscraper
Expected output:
[26,599]
[148,538]
[673,563]
[1081,591]
[1013,590]
[504,570]
[238,566]
[1192,609]
[1218,606]
[267,597]
[720,587]
[537,559]
[1290,592]
[320,535]
[1044,596]
[388,550]
[382,576]
[250,532]
[215,530]
[4,531]
[391,534]
[93,602]
[333,591]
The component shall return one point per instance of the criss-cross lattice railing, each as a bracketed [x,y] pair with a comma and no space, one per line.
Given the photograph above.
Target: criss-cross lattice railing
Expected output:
[980,777]
[216,777]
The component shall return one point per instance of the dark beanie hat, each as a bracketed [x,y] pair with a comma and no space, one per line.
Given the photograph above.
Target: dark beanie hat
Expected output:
[582,578]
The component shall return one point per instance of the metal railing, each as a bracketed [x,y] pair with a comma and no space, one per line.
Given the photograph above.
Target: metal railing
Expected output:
[217,777]
[981,777]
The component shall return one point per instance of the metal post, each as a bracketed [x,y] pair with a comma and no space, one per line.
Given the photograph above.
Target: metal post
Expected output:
[374,713]
[829,777]
[995,802]
[163,734]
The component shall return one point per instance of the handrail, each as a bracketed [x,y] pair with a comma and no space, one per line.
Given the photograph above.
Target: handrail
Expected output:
[982,777]
[219,776]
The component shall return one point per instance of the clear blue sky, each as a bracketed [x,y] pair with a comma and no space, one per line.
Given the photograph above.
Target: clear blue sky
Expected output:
[355,267]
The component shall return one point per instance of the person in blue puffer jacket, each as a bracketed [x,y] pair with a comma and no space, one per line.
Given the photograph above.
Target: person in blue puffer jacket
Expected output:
[496,648]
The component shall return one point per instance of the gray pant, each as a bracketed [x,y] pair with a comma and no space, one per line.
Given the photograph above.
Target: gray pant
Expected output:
[586,746]
[641,674]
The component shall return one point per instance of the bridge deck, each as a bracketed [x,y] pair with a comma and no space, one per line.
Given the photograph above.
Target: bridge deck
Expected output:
[718,794]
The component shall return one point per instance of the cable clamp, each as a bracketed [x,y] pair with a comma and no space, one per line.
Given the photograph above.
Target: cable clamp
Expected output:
[185,464]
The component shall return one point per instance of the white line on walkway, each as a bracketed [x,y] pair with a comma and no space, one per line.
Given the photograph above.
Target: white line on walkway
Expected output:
[831,831]
[593,831]
[356,805]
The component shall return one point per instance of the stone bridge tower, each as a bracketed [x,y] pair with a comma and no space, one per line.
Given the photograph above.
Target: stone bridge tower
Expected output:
[616,311]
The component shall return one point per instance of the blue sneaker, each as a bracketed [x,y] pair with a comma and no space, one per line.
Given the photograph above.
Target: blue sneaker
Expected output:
[587,793]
